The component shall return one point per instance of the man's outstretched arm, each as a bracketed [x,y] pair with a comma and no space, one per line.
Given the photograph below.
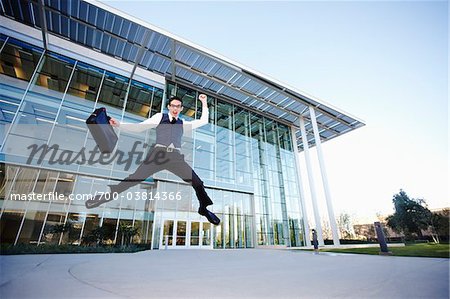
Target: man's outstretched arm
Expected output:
[149,123]
[205,114]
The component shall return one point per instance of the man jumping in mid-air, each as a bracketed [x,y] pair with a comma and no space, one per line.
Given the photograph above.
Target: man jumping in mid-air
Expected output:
[169,131]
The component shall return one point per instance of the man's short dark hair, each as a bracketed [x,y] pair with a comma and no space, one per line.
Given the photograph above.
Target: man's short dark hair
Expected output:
[175,98]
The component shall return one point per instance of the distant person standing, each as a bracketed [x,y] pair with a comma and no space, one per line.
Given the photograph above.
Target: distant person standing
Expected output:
[315,242]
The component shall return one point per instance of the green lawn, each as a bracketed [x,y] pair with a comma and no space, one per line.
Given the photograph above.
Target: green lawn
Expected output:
[422,250]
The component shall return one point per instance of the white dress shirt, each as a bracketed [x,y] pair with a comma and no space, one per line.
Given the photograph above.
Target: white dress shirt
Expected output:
[153,121]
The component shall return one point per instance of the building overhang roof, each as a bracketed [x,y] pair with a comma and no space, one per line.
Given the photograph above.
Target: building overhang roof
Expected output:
[105,29]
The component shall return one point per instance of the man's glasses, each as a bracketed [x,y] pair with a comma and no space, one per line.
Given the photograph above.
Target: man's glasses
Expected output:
[176,106]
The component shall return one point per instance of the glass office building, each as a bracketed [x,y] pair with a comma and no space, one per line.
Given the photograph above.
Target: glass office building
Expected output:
[59,60]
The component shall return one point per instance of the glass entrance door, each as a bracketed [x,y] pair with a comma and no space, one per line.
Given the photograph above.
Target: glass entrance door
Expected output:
[200,235]
[181,233]
[186,234]
[167,235]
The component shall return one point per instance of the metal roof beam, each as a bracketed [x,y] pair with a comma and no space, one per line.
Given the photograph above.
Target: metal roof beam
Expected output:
[252,96]
[234,101]
[277,88]
[253,77]
[140,53]
[325,127]
[43,20]
[246,107]
[335,117]
[232,87]
[173,51]
[302,100]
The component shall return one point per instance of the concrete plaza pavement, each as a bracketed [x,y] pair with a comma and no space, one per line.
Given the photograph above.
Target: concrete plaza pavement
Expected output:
[247,273]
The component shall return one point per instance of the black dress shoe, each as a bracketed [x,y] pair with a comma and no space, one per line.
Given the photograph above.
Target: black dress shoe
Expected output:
[98,200]
[209,215]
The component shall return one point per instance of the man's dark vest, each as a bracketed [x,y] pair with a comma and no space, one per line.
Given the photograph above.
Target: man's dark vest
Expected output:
[167,133]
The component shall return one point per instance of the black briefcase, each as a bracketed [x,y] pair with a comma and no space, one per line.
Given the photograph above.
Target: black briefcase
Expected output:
[101,130]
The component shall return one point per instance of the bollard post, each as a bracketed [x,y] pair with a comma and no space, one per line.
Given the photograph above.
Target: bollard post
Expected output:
[166,243]
[381,239]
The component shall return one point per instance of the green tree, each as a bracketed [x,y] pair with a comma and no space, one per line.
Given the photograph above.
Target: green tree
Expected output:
[411,215]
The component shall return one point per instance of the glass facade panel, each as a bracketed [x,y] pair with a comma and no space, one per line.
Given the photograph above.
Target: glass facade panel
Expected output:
[195,230]
[168,232]
[91,224]
[125,227]
[113,91]
[245,160]
[3,39]
[218,235]
[139,99]
[206,234]
[9,226]
[53,228]
[144,223]
[19,60]
[110,225]
[86,82]
[54,75]
[72,236]
[181,233]
[205,145]
[225,143]
[31,227]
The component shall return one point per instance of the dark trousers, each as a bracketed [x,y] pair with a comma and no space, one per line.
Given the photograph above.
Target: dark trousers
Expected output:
[159,159]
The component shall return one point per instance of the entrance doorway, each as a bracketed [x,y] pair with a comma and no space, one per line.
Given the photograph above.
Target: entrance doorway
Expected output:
[185,233]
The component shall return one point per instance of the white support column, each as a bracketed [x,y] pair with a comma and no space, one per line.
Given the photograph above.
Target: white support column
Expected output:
[323,172]
[302,193]
[312,186]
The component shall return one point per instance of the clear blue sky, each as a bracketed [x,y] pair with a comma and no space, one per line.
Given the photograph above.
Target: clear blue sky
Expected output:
[384,62]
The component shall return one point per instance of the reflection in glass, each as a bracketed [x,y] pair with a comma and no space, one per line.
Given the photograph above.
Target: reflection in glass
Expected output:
[109,225]
[92,222]
[206,234]
[9,226]
[144,223]
[140,98]
[2,39]
[249,231]
[195,229]
[19,60]
[125,230]
[73,234]
[53,228]
[167,232]
[225,144]
[23,183]
[86,81]
[218,229]
[41,103]
[31,228]
[181,233]
[113,90]
[55,73]
[189,98]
